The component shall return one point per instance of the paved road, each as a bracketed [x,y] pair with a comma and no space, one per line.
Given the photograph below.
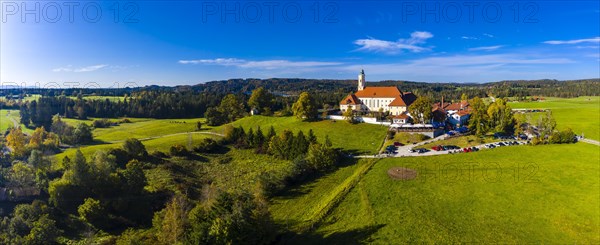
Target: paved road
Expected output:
[403,151]
[405,148]
[589,141]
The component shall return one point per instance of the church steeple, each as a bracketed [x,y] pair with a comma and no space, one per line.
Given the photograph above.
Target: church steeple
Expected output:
[361,80]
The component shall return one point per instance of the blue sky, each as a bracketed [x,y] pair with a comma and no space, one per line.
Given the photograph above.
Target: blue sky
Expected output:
[116,44]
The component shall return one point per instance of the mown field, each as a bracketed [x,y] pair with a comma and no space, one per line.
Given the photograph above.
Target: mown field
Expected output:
[520,194]
[161,143]
[142,128]
[361,138]
[156,134]
[581,114]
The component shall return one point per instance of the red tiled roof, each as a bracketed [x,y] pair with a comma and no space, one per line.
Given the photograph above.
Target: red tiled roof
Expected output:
[398,101]
[463,112]
[452,106]
[438,104]
[351,99]
[402,116]
[379,92]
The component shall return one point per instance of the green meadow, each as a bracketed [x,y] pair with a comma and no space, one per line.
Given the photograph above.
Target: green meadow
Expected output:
[155,144]
[581,114]
[361,138]
[518,194]
[235,170]
[142,129]
[6,122]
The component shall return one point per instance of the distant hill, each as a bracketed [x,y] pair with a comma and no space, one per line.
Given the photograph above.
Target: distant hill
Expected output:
[340,88]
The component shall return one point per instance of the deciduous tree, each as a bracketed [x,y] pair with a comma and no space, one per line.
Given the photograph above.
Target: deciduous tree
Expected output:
[420,109]
[305,107]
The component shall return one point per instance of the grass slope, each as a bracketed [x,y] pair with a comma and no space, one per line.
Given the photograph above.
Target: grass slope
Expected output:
[581,114]
[522,194]
[236,170]
[363,138]
[6,122]
[147,128]
[160,144]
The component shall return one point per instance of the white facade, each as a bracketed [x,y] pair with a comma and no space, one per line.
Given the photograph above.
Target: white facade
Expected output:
[375,99]
[361,80]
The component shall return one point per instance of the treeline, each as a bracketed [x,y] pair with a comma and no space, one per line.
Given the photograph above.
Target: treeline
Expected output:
[146,104]
[195,101]
[496,117]
[307,152]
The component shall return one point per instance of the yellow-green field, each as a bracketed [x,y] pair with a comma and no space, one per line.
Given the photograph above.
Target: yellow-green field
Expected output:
[519,194]
[6,120]
[362,137]
[159,144]
[156,134]
[581,114]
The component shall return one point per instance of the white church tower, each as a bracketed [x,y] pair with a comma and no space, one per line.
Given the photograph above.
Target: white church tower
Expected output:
[361,80]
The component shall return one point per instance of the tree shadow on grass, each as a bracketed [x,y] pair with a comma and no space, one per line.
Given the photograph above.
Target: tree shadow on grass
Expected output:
[355,236]
[303,185]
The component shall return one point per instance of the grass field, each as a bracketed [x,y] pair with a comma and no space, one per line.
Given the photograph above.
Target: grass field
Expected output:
[362,137]
[147,128]
[581,114]
[6,122]
[522,194]
[159,144]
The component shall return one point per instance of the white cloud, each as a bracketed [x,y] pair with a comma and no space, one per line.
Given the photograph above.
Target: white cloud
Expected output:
[471,68]
[263,64]
[488,35]
[469,38]
[70,68]
[437,67]
[587,40]
[393,47]
[63,69]
[219,61]
[275,64]
[486,48]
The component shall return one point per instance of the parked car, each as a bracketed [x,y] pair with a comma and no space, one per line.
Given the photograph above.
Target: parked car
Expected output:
[398,144]
[437,148]
[422,150]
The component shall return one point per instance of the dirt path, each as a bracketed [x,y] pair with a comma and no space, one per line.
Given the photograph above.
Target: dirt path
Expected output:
[15,123]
